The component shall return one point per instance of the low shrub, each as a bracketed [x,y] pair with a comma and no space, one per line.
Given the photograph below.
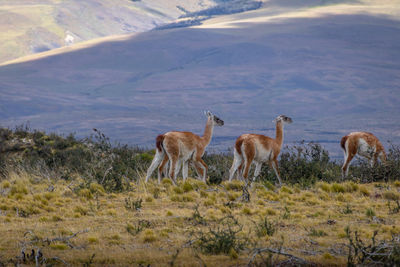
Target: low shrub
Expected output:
[134,205]
[218,167]
[373,253]
[224,238]
[316,232]
[265,227]
[304,164]
[140,225]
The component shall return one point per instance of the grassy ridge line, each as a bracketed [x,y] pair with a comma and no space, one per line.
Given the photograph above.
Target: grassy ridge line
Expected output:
[67,49]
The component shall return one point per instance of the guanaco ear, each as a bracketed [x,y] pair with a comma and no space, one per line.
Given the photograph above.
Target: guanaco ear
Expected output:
[207,113]
[279,118]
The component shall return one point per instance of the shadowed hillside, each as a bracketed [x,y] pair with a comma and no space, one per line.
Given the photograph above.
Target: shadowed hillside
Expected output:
[30,27]
[34,26]
[333,73]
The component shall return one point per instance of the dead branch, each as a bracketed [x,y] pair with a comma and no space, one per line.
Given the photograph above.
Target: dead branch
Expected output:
[174,257]
[48,241]
[259,251]
[105,174]
[245,197]
[60,260]
[202,263]
[70,186]
[65,239]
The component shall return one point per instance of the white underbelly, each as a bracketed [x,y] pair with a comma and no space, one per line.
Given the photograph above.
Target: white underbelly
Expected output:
[364,149]
[263,155]
[185,154]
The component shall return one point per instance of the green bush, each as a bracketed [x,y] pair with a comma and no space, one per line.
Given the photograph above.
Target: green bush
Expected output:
[218,167]
[93,158]
[380,172]
[304,164]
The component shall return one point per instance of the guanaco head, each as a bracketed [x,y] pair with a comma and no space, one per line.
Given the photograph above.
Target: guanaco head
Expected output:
[283,119]
[217,121]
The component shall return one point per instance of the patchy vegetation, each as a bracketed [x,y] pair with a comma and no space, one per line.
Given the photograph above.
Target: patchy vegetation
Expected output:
[96,161]
[54,211]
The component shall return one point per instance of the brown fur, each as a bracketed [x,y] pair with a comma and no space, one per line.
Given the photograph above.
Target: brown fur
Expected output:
[258,148]
[191,142]
[343,142]
[353,146]
[159,142]
[238,144]
[182,147]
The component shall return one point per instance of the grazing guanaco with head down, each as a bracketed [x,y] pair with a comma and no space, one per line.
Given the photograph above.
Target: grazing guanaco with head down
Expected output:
[258,148]
[180,147]
[364,144]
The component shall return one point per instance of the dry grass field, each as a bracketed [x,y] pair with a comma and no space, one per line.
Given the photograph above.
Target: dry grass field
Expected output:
[83,202]
[192,224]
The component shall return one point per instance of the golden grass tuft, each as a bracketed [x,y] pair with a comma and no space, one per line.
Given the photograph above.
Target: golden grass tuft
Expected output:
[285,189]
[364,190]
[351,187]
[56,218]
[59,246]
[114,239]
[233,254]
[269,186]
[233,185]
[246,211]
[166,182]
[187,187]
[81,210]
[177,190]
[312,201]
[149,199]
[187,197]
[391,195]
[18,188]
[85,193]
[209,202]
[203,194]
[96,188]
[148,236]
[93,240]
[337,188]
[5,184]
[232,196]
[270,212]
[324,186]
[49,195]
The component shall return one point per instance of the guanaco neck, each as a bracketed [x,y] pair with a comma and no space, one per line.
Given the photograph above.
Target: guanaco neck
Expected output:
[208,132]
[279,133]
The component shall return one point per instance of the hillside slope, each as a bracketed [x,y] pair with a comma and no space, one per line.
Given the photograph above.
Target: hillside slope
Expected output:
[333,69]
[34,26]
